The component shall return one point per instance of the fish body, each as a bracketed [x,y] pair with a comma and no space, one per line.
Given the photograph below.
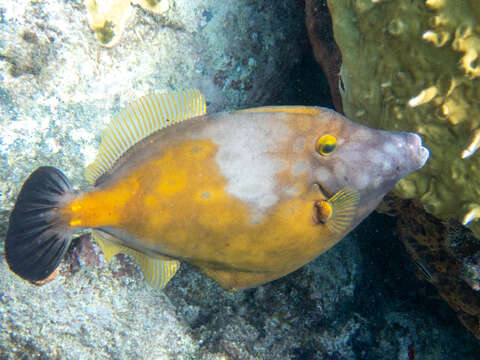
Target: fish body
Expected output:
[246,196]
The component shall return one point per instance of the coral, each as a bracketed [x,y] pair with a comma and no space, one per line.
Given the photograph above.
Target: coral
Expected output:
[415,66]
[443,254]
[107,18]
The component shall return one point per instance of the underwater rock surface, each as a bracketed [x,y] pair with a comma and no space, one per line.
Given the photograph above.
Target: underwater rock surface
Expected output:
[59,87]
[350,303]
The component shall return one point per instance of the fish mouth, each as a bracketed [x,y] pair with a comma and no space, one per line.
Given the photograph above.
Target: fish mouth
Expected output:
[425,155]
[420,152]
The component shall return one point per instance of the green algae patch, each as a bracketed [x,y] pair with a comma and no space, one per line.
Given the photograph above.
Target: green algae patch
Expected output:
[415,66]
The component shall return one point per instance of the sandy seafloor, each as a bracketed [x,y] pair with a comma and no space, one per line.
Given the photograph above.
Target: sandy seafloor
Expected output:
[360,300]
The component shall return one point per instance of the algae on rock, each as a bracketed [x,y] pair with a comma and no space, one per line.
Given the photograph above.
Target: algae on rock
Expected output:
[108,18]
[415,66]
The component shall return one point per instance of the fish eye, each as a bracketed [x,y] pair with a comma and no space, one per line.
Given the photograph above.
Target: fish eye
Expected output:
[326,145]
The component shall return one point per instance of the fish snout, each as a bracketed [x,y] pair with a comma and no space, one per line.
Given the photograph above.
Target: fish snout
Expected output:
[403,153]
[418,152]
[407,153]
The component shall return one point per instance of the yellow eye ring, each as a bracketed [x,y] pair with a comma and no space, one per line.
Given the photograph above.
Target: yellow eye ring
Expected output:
[326,145]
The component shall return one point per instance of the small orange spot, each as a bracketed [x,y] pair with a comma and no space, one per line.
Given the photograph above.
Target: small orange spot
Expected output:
[75,222]
[322,212]
[48,279]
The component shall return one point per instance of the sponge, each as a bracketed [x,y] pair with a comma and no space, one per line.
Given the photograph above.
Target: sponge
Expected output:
[415,66]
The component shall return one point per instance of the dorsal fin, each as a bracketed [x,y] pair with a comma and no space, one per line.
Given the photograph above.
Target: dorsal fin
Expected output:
[140,119]
[294,109]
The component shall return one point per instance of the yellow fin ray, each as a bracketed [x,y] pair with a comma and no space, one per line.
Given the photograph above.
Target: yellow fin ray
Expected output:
[344,206]
[140,119]
[109,248]
[293,109]
[157,271]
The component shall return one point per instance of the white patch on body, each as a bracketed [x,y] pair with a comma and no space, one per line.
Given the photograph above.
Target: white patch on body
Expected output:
[292,191]
[376,157]
[386,166]
[361,180]
[378,180]
[340,170]
[246,157]
[299,168]
[299,145]
[323,175]
[390,148]
[256,218]
[363,133]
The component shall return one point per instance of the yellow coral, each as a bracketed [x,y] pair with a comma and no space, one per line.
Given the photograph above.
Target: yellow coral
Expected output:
[155,6]
[415,66]
[108,18]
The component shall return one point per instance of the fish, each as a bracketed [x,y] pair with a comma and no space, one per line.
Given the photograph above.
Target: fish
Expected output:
[245,196]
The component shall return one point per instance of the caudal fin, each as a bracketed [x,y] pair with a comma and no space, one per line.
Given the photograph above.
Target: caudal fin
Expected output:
[36,238]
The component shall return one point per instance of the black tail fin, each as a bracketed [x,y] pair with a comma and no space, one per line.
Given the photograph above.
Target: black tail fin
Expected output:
[36,238]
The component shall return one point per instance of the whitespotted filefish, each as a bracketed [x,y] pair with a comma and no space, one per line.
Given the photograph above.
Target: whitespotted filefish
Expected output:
[246,196]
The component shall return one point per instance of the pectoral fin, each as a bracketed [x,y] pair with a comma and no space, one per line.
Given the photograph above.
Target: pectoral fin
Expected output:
[337,212]
[157,270]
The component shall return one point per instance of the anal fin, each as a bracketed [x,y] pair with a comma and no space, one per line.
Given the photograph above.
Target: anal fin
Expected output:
[239,280]
[157,271]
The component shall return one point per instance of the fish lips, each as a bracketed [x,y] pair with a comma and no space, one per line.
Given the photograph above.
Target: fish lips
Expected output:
[420,153]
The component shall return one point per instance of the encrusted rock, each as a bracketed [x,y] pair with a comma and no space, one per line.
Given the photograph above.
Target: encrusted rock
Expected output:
[445,254]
